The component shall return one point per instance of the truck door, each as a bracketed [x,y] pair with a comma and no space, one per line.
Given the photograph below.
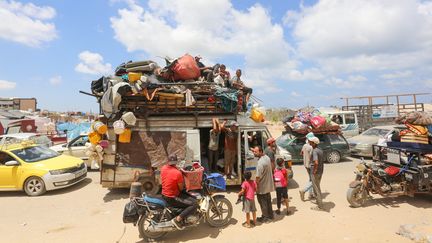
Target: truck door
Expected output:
[251,138]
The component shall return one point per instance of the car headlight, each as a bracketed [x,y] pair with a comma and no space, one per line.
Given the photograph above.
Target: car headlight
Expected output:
[57,172]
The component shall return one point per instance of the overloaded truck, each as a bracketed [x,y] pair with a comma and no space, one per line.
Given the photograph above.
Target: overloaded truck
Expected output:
[168,118]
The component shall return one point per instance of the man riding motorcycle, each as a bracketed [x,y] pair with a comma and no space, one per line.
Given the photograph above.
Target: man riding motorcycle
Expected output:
[172,191]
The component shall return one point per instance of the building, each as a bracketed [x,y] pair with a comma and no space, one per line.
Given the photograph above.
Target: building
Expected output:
[24,104]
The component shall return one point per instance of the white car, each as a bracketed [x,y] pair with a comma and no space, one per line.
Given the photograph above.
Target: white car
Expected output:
[76,147]
[38,139]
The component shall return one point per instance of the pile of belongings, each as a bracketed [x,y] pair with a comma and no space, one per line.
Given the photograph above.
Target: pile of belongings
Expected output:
[316,122]
[417,134]
[181,84]
[418,128]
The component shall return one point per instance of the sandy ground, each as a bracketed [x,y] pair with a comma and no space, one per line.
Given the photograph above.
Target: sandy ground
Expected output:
[87,212]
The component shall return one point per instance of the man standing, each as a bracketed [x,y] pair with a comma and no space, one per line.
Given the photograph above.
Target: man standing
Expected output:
[265,184]
[316,171]
[271,150]
[230,149]
[213,146]
[172,185]
[307,153]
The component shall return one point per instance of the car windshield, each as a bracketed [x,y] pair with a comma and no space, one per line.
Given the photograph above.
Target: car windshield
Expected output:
[34,154]
[40,139]
[376,132]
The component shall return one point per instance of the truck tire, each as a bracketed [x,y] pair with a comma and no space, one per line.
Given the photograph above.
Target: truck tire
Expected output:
[149,185]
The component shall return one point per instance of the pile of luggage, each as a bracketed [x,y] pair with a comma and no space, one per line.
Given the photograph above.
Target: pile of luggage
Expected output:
[314,121]
[179,86]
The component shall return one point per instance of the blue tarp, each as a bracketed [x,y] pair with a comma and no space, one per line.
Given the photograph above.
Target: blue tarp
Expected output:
[73,129]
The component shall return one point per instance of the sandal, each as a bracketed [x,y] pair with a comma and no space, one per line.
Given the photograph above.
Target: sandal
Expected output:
[246,225]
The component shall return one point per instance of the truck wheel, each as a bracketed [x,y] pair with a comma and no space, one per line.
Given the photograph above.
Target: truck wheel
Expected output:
[333,157]
[34,186]
[355,197]
[150,186]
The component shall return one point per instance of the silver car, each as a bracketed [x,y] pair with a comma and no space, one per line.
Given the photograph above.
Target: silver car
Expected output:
[361,145]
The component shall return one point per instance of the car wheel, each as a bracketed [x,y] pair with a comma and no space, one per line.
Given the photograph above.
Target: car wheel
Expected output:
[34,186]
[333,157]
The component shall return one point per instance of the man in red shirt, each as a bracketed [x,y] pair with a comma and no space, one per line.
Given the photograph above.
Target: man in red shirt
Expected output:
[172,187]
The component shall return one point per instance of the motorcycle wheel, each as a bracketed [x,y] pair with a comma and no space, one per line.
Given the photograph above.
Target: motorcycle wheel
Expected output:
[355,197]
[143,225]
[225,207]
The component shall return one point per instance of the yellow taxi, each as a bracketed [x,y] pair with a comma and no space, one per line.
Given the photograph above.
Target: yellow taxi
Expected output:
[37,169]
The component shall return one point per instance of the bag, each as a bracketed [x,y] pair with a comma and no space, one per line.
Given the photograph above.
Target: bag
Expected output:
[391,170]
[94,138]
[97,86]
[317,121]
[130,213]
[193,178]
[185,68]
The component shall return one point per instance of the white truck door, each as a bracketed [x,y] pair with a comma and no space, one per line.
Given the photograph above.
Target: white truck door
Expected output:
[193,149]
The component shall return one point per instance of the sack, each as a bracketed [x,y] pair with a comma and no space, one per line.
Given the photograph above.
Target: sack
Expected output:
[97,86]
[256,115]
[391,170]
[185,68]
[317,121]
[130,213]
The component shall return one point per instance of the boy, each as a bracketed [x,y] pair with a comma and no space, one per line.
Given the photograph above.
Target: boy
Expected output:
[248,191]
[281,183]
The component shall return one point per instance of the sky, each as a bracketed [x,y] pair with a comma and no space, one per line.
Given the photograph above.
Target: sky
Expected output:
[292,53]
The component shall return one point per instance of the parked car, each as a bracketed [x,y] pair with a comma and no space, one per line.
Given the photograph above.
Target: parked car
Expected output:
[76,147]
[38,139]
[361,145]
[334,146]
[37,169]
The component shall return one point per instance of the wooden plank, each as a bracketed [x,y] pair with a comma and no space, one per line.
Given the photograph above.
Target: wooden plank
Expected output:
[122,174]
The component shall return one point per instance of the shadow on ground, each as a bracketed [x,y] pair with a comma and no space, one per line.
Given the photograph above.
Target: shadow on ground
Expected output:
[72,188]
[419,201]
[116,194]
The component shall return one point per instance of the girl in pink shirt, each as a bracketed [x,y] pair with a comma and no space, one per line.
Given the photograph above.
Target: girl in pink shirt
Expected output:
[248,191]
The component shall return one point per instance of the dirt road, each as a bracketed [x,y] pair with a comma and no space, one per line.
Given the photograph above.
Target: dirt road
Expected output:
[89,213]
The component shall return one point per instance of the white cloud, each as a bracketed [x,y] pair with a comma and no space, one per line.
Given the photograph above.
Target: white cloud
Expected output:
[213,29]
[295,94]
[92,63]
[27,23]
[56,80]
[356,35]
[7,85]
[397,75]
[352,81]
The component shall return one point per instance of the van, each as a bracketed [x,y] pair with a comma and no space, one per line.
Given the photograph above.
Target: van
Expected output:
[155,138]
[347,120]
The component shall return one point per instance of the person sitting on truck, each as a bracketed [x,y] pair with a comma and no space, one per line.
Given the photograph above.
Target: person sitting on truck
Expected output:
[203,68]
[230,149]
[224,76]
[237,83]
[172,187]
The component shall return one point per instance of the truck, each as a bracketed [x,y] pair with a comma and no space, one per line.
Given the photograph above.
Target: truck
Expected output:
[166,126]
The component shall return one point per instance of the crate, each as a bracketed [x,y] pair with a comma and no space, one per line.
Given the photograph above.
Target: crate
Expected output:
[216,181]
[193,179]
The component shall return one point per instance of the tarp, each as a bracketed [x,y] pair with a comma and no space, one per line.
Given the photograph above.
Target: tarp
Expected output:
[73,129]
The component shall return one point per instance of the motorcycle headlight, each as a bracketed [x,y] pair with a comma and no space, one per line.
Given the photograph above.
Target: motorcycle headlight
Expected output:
[57,172]
[361,167]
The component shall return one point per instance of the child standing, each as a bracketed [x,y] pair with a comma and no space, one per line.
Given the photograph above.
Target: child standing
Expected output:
[248,191]
[281,183]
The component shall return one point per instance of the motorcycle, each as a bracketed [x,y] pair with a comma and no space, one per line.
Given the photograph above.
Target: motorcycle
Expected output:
[152,215]
[388,181]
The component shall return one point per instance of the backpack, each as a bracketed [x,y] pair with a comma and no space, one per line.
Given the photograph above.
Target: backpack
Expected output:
[279,178]
[130,213]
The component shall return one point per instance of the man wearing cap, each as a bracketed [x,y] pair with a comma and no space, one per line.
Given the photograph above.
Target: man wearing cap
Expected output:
[306,152]
[271,150]
[265,184]
[316,171]
[172,187]
[230,149]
